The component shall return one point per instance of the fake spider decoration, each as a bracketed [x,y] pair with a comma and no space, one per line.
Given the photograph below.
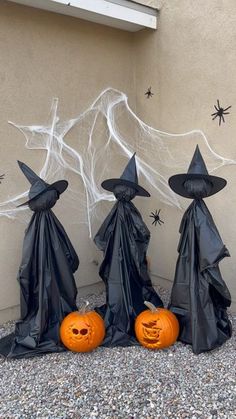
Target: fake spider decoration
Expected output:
[1,177]
[220,112]
[149,92]
[156,217]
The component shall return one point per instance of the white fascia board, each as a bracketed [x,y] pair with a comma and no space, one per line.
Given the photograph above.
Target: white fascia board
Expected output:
[122,14]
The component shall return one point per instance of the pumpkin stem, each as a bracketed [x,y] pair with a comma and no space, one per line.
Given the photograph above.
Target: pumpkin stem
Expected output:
[84,306]
[150,306]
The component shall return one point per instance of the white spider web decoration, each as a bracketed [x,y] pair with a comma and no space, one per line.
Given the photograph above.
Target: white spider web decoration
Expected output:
[103,139]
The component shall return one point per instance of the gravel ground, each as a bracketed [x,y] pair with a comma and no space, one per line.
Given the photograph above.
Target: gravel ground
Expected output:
[125,383]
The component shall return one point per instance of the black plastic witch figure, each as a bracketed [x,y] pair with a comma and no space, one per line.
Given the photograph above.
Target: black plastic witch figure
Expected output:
[199,295]
[124,238]
[47,286]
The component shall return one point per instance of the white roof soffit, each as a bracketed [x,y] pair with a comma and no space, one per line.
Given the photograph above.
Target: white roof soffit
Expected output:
[122,14]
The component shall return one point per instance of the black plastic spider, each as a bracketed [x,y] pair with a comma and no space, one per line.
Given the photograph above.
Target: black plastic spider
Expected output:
[220,112]
[156,217]
[149,92]
[1,177]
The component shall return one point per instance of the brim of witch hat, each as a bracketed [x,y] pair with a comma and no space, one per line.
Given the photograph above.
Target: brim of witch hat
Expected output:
[128,178]
[176,183]
[60,185]
[110,184]
[197,170]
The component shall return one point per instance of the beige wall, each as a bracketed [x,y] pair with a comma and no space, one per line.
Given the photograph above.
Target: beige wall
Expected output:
[189,62]
[45,55]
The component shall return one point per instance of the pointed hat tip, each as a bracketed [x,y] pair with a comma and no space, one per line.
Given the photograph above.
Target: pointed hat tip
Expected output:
[20,164]
[197,153]
[23,166]
[29,173]
[197,149]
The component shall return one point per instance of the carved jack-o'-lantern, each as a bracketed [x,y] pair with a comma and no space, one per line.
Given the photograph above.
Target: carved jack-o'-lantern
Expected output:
[82,331]
[156,328]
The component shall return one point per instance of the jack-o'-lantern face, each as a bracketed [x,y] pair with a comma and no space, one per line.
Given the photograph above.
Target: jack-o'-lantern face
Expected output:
[82,332]
[151,332]
[79,331]
[156,328]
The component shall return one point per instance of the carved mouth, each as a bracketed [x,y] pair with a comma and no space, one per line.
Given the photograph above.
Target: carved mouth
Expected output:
[152,341]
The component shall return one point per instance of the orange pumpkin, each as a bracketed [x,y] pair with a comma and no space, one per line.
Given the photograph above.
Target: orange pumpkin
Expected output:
[156,328]
[82,331]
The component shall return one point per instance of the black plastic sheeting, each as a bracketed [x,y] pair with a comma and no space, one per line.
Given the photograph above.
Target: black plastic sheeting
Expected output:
[124,239]
[199,295]
[47,286]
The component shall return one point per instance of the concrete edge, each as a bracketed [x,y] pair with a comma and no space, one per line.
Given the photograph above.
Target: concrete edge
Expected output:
[87,290]
[13,313]
[9,313]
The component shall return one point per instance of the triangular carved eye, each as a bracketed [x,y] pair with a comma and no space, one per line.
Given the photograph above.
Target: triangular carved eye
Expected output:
[150,324]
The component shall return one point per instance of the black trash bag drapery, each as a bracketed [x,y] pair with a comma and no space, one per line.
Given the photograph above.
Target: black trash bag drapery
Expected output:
[124,239]
[47,286]
[199,296]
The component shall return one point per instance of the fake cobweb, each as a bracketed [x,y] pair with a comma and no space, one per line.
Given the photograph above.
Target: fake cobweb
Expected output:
[97,144]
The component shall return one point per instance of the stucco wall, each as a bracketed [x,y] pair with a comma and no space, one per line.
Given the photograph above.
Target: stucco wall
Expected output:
[190,62]
[45,55]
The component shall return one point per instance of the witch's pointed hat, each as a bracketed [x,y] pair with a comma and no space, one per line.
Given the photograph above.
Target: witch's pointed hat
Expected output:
[129,177]
[196,170]
[38,185]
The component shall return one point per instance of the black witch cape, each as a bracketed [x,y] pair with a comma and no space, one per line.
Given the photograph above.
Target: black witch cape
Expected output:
[47,286]
[199,295]
[124,238]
